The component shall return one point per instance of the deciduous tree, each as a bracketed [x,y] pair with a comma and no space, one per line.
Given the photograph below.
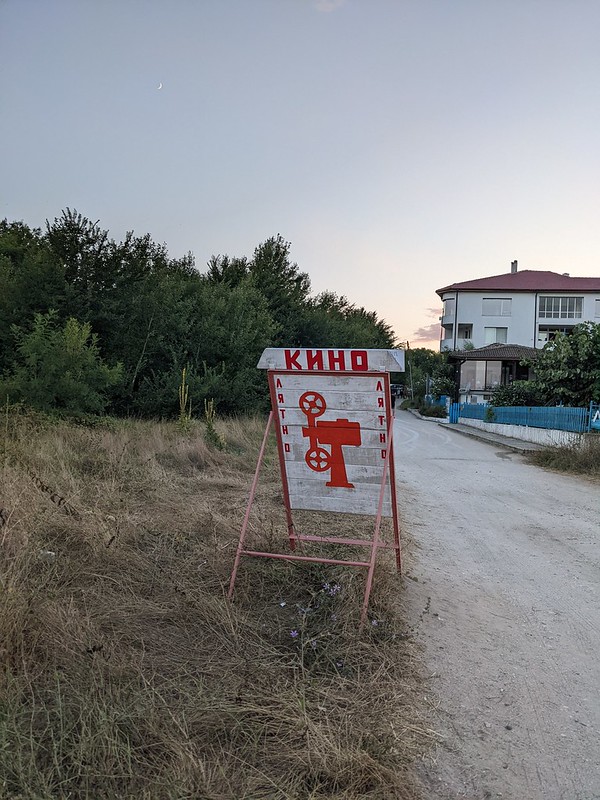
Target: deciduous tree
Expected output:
[59,368]
[568,368]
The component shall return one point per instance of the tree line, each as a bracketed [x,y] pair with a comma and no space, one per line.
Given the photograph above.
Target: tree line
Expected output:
[92,325]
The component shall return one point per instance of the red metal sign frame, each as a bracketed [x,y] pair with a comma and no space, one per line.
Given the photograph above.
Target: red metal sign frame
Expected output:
[298,539]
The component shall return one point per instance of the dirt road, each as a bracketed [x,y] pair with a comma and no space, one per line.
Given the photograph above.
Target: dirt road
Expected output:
[505,598]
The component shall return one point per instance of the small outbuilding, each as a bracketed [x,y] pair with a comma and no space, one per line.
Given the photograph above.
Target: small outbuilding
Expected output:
[480,370]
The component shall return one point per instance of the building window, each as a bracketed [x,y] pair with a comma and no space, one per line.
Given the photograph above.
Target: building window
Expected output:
[496,307]
[472,376]
[561,307]
[493,374]
[449,306]
[496,335]
[597,314]
[479,375]
[547,333]
[465,331]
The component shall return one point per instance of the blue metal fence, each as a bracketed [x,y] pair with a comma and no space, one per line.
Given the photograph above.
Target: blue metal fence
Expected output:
[561,418]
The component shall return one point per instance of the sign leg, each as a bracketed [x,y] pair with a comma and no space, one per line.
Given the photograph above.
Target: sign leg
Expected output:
[395,521]
[374,546]
[240,546]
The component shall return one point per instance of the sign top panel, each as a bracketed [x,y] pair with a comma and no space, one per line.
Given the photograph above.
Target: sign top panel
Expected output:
[329,359]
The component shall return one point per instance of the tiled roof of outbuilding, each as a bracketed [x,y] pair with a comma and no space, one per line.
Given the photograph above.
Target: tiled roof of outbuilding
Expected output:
[527,280]
[496,352]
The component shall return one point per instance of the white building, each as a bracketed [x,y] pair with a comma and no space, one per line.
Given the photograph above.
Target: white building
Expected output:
[526,308]
[492,326]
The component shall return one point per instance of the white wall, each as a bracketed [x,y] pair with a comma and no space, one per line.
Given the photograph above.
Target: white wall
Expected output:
[522,324]
[523,432]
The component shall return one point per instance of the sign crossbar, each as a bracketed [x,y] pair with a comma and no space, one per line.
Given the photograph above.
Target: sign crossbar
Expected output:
[306,537]
[315,559]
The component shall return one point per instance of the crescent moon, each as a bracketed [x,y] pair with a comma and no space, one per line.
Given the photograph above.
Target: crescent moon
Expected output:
[159,86]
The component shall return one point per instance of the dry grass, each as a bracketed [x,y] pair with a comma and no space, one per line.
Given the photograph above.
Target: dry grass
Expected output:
[125,673]
[582,457]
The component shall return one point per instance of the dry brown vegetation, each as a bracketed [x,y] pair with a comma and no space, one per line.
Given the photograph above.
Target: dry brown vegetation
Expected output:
[126,673]
[582,457]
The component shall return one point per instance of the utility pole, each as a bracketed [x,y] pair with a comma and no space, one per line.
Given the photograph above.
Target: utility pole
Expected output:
[412,390]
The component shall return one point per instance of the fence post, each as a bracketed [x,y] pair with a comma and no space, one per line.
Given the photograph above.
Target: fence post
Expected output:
[453,412]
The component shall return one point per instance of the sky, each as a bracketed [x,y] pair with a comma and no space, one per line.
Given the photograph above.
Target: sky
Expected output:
[398,145]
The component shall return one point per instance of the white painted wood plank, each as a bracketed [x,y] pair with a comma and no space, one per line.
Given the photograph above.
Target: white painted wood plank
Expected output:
[358,474]
[368,420]
[372,456]
[368,438]
[291,358]
[338,383]
[361,500]
[337,403]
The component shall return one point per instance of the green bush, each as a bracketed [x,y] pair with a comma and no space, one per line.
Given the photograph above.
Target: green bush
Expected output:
[432,411]
[568,368]
[59,369]
[518,393]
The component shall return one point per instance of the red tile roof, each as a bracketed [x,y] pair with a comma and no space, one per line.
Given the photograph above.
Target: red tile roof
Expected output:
[527,280]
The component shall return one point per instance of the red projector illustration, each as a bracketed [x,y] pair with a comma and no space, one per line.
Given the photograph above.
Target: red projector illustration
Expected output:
[333,433]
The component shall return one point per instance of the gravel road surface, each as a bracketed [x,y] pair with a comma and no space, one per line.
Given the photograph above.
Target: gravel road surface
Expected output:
[505,598]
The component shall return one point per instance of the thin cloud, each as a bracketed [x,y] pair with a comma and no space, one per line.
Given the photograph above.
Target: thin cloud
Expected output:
[328,5]
[430,333]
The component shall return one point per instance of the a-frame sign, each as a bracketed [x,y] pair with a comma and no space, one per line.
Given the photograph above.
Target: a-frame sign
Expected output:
[334,423]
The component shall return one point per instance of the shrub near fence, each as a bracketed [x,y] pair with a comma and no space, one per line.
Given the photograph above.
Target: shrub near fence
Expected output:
[559,418]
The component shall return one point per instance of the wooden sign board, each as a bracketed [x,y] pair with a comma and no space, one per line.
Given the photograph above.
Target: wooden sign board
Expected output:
[334,422]
[332,432]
